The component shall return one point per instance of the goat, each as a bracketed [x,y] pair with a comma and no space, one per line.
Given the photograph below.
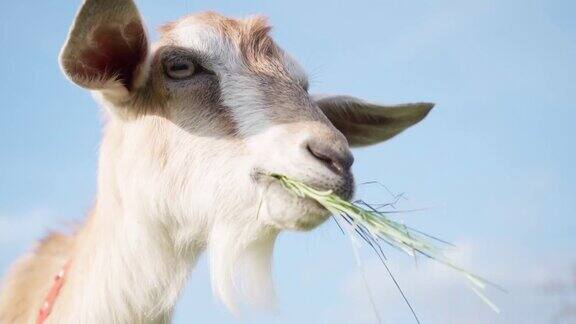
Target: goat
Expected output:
[193,124]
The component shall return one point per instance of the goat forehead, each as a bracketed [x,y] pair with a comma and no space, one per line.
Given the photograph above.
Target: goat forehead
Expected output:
[234,43]
[192,32]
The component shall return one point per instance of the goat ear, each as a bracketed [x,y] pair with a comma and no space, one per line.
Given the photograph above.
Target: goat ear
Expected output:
[366,123]
[106,47]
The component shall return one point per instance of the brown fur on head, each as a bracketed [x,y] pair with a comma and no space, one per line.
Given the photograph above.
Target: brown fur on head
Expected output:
[250,36]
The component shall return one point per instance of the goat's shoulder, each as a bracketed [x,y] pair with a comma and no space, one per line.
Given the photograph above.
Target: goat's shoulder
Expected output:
[29,279]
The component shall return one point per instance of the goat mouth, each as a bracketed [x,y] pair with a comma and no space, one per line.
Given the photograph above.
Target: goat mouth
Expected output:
[343,188]
[344,191]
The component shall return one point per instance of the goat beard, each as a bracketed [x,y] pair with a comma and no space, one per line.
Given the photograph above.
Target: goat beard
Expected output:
[241,264]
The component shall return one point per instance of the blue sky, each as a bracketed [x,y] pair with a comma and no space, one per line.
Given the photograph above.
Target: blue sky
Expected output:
[493,164]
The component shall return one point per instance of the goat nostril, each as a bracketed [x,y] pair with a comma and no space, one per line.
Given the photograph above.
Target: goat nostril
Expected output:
[338,162]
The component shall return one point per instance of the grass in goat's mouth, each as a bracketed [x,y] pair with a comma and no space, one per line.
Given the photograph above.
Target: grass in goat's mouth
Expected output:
[374,227]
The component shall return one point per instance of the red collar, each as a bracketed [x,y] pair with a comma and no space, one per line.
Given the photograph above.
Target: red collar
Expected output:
[50,298]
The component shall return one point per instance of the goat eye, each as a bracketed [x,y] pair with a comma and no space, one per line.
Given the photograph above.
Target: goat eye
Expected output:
[179,71]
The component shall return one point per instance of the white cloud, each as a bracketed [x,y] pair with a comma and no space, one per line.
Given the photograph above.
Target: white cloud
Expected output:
[440,295]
